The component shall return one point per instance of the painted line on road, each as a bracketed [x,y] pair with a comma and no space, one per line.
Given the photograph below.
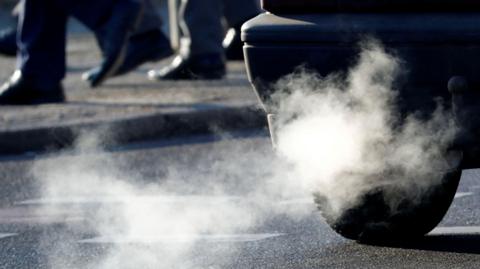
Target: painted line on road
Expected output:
[463,194]
[474,188]
[42,220]
[164,199]
[181,238]
[5,235]
[310,200]
[29,215]
[123,199]
[456,230]
[295,201]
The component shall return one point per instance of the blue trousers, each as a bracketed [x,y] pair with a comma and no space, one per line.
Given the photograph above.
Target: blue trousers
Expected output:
[202,22]
[42,34]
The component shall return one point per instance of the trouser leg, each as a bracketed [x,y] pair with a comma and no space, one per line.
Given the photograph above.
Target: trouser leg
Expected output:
[41,42]
[92,13]
[42,37]
[151,20]
[236,12]
[202,24]
[42,33]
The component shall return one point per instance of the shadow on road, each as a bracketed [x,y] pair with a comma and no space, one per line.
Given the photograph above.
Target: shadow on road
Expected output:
[456,243]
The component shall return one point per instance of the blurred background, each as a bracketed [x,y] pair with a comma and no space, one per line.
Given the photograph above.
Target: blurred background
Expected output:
[7,6]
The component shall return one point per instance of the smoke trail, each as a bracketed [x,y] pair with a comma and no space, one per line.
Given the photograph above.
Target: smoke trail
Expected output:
[337,136]
[157,222]
[345,136]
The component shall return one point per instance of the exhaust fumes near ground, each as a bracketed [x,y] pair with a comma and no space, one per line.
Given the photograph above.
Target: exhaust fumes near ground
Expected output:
[333,134]
[159,222]
[345,136]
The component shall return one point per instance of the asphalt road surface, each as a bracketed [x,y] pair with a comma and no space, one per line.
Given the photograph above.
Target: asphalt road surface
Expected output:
[199,202]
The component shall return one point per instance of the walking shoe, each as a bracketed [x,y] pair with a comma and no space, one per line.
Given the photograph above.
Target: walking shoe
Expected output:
[19,90]
[233,45]
[116,32]
[205,66]
[147,47]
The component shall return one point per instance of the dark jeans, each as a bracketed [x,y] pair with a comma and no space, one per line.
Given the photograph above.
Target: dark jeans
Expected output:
[42,34]
[201,22]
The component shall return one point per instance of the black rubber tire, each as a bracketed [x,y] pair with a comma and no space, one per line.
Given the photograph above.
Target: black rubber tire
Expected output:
[372,221]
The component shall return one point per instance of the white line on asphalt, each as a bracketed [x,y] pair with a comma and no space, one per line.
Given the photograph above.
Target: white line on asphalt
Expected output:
[462,194]
[456,230]
[309,200]
[181,238]
[474,188]
[195,199]
[5,235]
[305,200]
[122,199]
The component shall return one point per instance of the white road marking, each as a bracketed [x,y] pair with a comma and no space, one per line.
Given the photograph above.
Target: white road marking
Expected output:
[456,230]
[474,188]
[462,194]
[123,199]
[310,200]
[42,220]
[5,235]
[181,238]
[305,200]
[26,214]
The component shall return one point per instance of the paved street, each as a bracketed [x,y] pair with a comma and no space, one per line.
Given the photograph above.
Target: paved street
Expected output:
[129,95]
[198,202]
[133,106]
[191,201]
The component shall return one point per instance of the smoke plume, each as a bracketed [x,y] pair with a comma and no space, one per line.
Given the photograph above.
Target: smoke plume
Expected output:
[333,134]
[345,135]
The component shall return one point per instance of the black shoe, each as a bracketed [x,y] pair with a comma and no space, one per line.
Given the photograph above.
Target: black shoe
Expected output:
[208,66]
[233,45]
[19,90]
[116,32]
[147,47]
[8,42]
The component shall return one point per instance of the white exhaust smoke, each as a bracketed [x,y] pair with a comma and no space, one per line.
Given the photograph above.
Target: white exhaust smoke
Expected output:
[333,133]
[345,136]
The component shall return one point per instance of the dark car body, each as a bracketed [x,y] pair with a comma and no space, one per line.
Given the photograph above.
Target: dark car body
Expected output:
[438,42]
